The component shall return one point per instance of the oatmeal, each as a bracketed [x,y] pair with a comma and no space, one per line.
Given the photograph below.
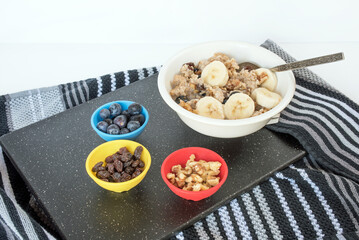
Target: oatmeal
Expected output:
[221,88]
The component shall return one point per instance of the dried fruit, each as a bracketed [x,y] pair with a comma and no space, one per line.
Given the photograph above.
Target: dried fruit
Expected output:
[138,152]
[120,166]
[96,167]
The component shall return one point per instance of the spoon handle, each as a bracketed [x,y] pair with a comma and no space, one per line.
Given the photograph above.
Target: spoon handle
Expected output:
[309,62]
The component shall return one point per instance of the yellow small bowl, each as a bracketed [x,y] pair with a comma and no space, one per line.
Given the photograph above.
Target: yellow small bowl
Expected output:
[108,148]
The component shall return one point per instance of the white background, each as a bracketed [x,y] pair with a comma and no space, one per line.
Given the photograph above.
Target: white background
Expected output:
[45,43]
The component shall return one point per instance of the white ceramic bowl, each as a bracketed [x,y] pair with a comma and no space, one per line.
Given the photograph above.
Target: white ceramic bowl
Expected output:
[241,52]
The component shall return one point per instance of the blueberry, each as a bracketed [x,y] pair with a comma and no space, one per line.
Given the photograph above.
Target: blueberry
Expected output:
[104,113]
[115,109]
[124,131]
[134,109]
[102,126]
[109,121]
[138,117]
[234,92]
[113,129]
[120,121]
[183,98]
[126,113]
[133,125]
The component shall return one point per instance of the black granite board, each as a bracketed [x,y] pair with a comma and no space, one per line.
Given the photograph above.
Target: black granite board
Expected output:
[51,154]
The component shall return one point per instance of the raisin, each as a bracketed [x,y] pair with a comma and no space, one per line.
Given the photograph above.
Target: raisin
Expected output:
[96,167]
[116,156]
[136,172]
[122,150]
[126,164]
[109,159]
[125,157]
[138,152]
[104,179]
[102,168]
[116,177]
[118,166]
[129,170]
[103,174]
[110,179]
[110,168]
[135,163]
[141,165]
[190,65]
[125,177]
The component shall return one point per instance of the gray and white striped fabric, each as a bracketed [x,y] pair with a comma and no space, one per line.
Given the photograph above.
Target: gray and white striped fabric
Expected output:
[315,198]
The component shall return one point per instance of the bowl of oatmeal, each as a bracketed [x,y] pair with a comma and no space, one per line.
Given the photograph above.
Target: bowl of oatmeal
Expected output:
[194,173]
[213,93]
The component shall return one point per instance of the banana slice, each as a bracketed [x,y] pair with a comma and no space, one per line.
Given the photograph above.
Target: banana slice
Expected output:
[267,78]
[239,106]
[215,74]
[210,107]
[266,98]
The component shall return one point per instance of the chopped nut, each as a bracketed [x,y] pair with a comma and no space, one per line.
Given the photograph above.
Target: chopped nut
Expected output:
[204,187]
[197,187]
[181,175]
[206,174]
[262,77]
[213,181]
[180,182]
[199,168]
[191,163]
[186,106]
[187,171]
[204,164]
[196,176]
[176,168]
[171,177]
[189,179]
[215,166]
[189,187]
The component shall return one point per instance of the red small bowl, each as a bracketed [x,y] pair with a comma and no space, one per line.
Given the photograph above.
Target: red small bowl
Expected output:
[181,156]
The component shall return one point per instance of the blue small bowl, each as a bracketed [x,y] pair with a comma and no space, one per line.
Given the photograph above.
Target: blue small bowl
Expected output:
[95,118]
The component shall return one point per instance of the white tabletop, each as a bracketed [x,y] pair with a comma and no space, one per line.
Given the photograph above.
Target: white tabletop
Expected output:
[45,43]
[28,66]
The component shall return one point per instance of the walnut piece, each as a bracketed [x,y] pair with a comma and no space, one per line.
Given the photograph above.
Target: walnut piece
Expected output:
[196,175]
[171,177]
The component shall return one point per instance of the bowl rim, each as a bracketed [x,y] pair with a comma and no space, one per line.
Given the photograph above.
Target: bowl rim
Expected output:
[193,193]
[97,111]
[89,168]
[223,122]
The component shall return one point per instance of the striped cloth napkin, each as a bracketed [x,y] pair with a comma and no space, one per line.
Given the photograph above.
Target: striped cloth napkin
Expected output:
[315,198]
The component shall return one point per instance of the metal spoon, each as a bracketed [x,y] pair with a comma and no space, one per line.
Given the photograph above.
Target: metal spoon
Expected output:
[299,64]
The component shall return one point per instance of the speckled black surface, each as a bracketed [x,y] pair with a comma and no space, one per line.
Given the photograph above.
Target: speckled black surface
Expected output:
[51,156]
